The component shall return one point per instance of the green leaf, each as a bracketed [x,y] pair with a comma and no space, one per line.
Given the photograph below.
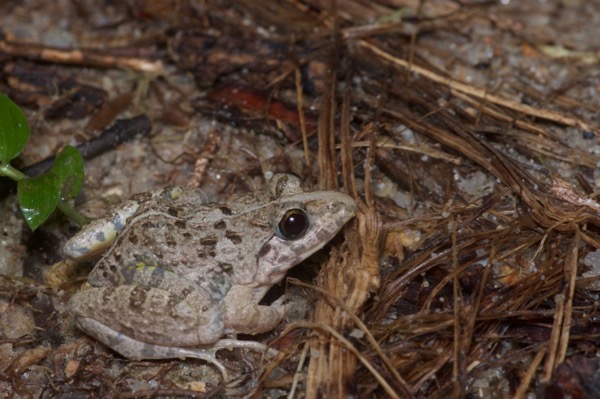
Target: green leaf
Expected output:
[14,130]
[38,197]
[68,167]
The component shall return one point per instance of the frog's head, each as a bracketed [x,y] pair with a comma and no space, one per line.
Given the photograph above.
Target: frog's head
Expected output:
[304,223]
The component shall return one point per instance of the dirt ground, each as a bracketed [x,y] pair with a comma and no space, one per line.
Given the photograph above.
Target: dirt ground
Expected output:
[468,132]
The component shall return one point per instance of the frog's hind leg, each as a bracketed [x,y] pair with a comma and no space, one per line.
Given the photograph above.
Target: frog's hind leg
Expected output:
[185,317]
[137,350]
[142,322]
[167,312]
[153,314]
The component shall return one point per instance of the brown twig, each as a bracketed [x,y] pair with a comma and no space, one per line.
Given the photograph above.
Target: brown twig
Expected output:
[104,58]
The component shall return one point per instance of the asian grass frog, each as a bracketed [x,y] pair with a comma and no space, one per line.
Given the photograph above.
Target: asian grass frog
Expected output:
[179,273]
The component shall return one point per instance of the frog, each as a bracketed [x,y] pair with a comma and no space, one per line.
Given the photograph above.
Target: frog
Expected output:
[176,275]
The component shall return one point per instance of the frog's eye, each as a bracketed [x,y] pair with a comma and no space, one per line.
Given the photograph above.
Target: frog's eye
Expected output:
[293,224]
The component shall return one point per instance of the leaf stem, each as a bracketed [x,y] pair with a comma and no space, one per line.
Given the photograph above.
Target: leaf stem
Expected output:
[9,171]
[73,215]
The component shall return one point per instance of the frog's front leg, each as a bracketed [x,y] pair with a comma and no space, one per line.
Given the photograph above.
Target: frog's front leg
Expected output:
[244,315]
[157,308]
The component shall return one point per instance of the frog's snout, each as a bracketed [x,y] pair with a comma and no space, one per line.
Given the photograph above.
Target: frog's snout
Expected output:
[346,206]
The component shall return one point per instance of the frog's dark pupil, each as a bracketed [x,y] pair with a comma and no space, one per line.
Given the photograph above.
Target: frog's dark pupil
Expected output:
[293,224]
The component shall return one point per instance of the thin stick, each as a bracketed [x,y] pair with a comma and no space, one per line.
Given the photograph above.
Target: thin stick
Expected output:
[90,57]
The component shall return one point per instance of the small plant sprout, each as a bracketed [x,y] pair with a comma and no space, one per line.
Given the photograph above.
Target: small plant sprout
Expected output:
[39,196]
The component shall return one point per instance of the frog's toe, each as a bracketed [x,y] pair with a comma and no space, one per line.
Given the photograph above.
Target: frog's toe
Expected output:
[240,344]
[279,306]
[208,355]
[280,301]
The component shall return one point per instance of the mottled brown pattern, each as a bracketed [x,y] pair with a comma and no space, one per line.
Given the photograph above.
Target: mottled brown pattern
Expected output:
[189,271]
[264,250]
[148,225]
[137,299]
[133,239]
[233,237]
[220,225]
[209,241]
[226,268]
[171,241]
[106,294]
[225,210]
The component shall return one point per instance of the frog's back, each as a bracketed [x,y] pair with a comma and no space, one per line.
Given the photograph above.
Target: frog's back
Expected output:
[213,245]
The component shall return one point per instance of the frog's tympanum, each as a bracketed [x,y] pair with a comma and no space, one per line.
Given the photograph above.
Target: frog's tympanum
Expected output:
[178,273]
